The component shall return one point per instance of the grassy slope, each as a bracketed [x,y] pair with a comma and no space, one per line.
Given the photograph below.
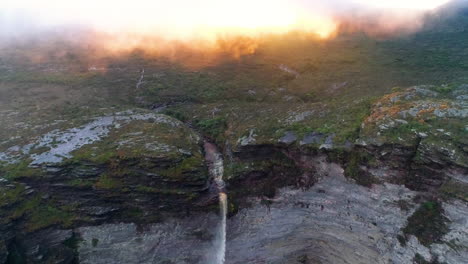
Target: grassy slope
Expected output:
[339,77]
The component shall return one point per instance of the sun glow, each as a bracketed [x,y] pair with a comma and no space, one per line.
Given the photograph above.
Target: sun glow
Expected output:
[224,26]
[176,18]
[202,18]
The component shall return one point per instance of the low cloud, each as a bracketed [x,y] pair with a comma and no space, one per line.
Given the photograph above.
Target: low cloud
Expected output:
[208,28]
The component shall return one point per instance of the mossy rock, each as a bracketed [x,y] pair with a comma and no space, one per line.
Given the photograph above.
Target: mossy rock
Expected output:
[417,112]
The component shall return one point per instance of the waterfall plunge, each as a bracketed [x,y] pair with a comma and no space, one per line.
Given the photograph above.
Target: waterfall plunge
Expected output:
[221,234]
[216,167]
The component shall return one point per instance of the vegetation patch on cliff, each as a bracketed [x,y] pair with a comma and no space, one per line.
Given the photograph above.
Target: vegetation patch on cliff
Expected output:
[355,160]
[428,223]
[19,170]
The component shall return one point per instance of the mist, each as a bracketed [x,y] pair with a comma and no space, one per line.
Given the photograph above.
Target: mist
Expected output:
[206,30]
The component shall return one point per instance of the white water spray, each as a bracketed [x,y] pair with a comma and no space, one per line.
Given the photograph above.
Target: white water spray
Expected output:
[216,167]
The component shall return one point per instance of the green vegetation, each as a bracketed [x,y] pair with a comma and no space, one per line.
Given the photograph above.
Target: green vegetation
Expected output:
[88,154]
[16,254]
[198,86]
[213,128]
[303,259]
[346,122]
[81,183]
[176,114]
[73,243]
[11,195]
[35,213]
[188,167]
[134,213]
[407,132]
[20,170]
[300,129]
[163,191]
[106,181]
[27,205]
[139,138]
[444,88]
[47,78]
[95,242]
[353,171]
[428,223]
[47,215]
[402,240]
[338,79]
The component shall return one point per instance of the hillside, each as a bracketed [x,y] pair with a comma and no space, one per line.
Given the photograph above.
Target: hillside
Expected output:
[347,150]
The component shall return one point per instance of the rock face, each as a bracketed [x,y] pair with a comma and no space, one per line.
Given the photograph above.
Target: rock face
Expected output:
[128,166]
[422,131]
[132,187]
[175,241]
[335,221]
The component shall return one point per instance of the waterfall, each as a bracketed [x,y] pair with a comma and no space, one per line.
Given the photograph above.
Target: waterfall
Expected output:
[221,239]
[216,169]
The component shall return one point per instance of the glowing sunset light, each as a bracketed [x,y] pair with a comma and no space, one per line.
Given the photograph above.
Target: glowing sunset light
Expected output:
[204,27]
[201,18]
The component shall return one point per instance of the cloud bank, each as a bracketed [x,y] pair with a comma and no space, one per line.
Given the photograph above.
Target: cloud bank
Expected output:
[203,18]
[202,26]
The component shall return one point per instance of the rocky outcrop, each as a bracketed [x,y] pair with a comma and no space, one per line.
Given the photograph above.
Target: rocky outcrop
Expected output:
[125,167]
[416,137]
[412,138]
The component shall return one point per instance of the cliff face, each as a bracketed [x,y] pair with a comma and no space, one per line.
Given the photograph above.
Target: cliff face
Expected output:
[324,162]
[114,186]
[126,166]
[409,158]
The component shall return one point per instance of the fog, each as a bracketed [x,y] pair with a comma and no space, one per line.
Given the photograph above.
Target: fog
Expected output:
[206,27]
